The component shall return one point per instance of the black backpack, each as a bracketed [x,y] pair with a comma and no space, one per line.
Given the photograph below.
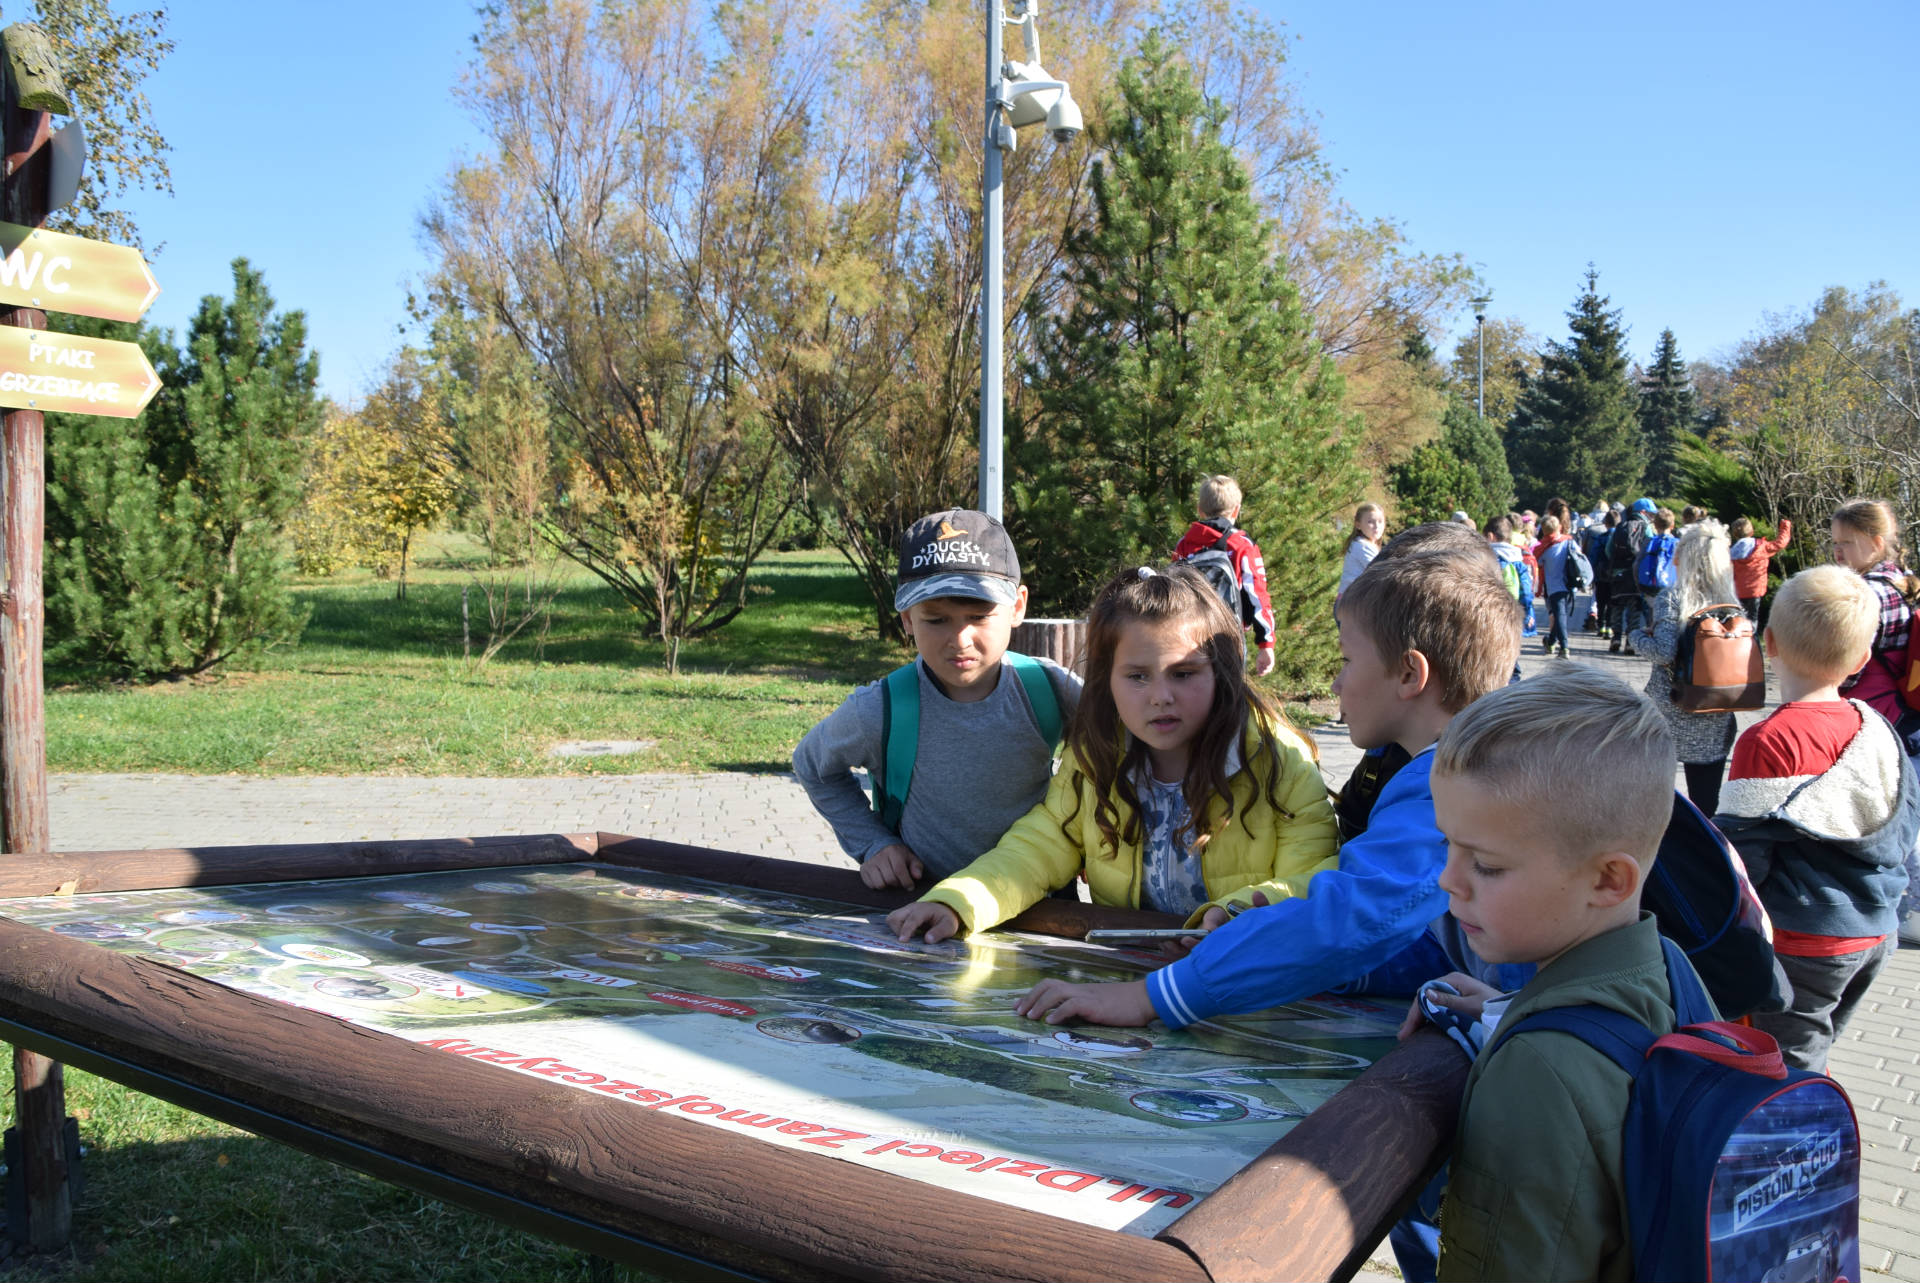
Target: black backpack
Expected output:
[1699,893]
[1216,564]
[1620,555]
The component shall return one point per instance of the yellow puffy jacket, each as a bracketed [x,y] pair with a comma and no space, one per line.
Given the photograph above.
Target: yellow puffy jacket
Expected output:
[1258,850]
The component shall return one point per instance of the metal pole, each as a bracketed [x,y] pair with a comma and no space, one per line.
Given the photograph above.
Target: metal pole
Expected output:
[991,288]
[1480,380]
[39,1087]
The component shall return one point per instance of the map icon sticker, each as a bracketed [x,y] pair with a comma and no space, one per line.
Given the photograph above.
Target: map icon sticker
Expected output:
[325,955]
[807,1029]
[95,930]
[508,984]
[363,990]
[198,917]
[431,940]
[189,944]
[503,888]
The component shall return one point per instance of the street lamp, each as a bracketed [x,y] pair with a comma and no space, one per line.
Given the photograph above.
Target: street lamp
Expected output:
[1018,94]
[1480,332]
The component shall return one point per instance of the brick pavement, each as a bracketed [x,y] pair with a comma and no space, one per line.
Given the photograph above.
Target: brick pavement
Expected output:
[1878,1060]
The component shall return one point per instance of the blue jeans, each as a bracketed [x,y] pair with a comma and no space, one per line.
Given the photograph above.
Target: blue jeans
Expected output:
[1560,605]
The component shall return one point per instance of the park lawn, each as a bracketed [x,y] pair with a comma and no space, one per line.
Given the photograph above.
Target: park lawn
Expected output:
[378,686]
[171,1196]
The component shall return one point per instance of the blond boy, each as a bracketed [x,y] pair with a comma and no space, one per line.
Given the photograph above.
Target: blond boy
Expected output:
[1217,508]
[1547,852]
[1822,803]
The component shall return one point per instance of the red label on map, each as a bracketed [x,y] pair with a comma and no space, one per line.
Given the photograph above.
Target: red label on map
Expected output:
[763,973]
[700,1002]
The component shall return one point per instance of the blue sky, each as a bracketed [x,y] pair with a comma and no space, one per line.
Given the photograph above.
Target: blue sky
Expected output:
[1716,162]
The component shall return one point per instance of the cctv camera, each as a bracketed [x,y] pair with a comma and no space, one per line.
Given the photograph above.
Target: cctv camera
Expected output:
[1063,120]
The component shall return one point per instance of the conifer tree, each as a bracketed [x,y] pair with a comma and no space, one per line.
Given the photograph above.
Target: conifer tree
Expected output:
[1185,352]
[1667,414]
[1465,467]
[165,548]
[1576,433]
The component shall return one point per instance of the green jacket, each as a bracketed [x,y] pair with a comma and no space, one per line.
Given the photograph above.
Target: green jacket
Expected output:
[1536,1188]
[1049,846]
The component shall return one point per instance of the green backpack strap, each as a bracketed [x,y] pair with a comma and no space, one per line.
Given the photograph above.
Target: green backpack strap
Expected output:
[899,742]
[1039,687]
[900,728]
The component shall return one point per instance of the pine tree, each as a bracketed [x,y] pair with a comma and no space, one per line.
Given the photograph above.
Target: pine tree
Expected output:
[1185,353]
[1465,468]
[1575,433]
[1431,483]
[165,550]
[1667,412]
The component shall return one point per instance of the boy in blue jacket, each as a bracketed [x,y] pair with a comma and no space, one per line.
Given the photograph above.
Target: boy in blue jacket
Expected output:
[1422,636]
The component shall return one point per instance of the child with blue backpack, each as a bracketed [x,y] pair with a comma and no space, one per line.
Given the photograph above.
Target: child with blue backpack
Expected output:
[923,732]
[1612,1127]
[1547,853]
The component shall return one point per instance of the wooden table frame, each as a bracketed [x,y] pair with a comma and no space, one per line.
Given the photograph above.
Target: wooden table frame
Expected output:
[635,1184]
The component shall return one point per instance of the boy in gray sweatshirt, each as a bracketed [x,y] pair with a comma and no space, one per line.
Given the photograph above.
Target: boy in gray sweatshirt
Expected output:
[981,760]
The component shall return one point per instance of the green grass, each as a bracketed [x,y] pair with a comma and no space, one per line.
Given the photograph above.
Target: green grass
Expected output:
[173,1196]
[378,686]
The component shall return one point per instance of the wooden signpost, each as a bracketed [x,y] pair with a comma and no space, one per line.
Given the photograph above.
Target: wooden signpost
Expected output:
[41,371]
[73,275]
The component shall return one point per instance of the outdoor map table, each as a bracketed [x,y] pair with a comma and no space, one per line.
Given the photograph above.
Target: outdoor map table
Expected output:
[675,1055]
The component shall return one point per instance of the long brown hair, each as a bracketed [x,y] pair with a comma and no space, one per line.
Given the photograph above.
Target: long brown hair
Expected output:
[1874,518]
[1098,748]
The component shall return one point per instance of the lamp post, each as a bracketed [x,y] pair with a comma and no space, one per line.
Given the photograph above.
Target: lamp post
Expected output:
[1480,332]
[1017,94]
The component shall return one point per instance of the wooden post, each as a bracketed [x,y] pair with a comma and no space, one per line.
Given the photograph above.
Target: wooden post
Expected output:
[1064,641]
[39,1087]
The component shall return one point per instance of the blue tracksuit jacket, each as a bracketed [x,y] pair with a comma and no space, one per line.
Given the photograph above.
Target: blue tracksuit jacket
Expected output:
[1354,917]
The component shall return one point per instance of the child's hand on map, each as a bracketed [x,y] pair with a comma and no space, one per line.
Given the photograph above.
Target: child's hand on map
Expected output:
[935,918]
[1469,999]
[1122,1004]
[893,866]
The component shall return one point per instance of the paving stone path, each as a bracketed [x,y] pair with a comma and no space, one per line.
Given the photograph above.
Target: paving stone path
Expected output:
[1878,1060]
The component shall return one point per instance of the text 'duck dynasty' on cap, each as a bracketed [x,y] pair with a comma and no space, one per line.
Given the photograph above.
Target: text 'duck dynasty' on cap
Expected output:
[957,553]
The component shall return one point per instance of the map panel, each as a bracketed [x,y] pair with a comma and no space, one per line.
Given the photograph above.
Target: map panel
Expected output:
[801,1021]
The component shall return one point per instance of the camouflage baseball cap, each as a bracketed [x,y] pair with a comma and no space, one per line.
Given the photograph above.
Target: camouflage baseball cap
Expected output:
[957,553]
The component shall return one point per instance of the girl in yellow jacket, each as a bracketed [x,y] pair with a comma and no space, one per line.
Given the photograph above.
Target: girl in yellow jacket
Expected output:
[1182,785]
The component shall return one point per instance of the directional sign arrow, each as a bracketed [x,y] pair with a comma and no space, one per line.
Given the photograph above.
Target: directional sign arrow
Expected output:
[70,274]
[62,373]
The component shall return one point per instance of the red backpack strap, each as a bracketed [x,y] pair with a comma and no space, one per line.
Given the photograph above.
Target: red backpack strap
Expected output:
[1752,1052]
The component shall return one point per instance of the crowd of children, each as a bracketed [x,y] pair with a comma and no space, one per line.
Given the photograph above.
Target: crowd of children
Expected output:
[1467,848]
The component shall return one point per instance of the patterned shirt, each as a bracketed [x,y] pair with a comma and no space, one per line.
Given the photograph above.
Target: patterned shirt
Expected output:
[1171,879]
[1896,616]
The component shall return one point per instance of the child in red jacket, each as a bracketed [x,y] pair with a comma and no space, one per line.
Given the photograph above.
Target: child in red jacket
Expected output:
[1750,559]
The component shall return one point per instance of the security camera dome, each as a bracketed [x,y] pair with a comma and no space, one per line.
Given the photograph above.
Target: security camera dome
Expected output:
[1063,119]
